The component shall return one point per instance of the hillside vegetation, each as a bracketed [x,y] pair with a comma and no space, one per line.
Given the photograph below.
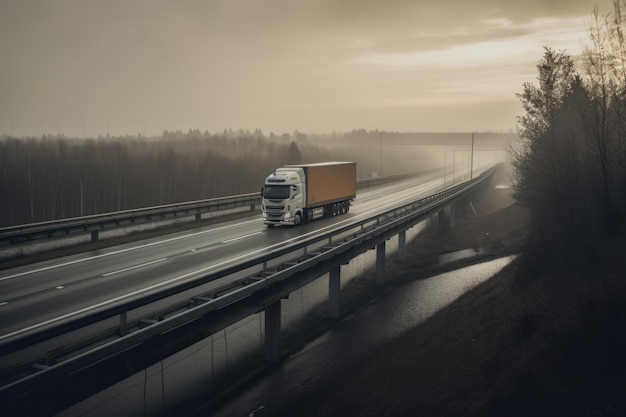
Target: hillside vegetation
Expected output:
[547,335]
[523,343]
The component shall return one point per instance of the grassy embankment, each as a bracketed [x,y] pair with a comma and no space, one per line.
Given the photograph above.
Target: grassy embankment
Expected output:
[520,344]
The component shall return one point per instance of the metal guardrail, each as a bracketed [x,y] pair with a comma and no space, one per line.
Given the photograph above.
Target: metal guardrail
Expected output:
[107,221]
[93,224]
[214,313]
[17,340]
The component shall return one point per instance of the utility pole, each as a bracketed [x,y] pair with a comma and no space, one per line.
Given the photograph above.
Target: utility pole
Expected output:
[472,159]
[453,161]
[445,163]
[380,139]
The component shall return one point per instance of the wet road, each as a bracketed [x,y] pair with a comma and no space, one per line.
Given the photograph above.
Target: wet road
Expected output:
[379,322]
[35,295]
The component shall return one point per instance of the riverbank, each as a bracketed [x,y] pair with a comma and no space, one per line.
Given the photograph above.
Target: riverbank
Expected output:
[516,345]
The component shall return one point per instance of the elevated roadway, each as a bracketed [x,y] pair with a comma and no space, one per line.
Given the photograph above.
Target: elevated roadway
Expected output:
[45,291]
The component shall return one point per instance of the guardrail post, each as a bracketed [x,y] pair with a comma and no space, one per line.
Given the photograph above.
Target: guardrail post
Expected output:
[380,263]
[334,289]
[402,245]
[272,332]
[198,217]
[94,235]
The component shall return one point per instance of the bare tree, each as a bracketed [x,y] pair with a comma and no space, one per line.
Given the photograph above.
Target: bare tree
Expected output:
[605,69]
[570,160]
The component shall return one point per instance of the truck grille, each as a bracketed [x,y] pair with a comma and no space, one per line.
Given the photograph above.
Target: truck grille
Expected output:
[274,212]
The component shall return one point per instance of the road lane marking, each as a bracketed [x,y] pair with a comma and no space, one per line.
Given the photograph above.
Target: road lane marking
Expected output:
[420,188]
[4,303]
[241,237]
[130,268]
[178,278]
[47,268]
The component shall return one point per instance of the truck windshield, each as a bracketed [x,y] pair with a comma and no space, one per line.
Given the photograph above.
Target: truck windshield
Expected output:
[277,192]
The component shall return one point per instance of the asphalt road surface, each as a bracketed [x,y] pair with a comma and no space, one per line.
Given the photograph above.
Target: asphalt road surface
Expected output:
[44,292]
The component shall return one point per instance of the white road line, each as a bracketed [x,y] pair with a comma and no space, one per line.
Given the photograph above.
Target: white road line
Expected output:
[119,251]
[164,283]
[240,237]
[108,274]
[146,245]
[4,303]
[161,284]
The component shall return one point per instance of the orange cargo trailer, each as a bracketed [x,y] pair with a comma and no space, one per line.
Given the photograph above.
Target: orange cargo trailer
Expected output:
[295,194]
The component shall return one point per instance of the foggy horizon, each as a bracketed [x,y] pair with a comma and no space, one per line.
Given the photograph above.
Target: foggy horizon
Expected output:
[87,68]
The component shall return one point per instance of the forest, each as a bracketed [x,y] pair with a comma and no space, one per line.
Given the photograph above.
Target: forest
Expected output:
[54,177]
[571,159]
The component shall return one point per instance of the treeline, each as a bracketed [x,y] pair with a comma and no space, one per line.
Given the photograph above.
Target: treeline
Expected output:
[54,177]
[571,163]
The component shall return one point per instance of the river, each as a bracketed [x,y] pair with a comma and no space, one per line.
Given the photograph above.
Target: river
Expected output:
[380,321]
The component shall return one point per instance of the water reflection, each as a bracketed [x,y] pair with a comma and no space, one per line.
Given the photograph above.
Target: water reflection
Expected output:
[379,322]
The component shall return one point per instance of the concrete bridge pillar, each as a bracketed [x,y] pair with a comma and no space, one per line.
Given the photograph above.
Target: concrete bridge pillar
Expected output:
[442,226]
[441,221]
[402,245]
[452,215]
[334,290]
[380,263]
[272,332]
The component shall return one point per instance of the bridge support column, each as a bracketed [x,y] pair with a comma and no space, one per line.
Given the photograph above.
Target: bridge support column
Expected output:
[272,332]
[334,290]
[380,263]
[441,221]
[402,245]
[95,235]
[452,216]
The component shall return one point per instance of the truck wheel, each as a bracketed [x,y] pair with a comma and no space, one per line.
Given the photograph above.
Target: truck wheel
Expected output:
[335,209]
[343,208]
[297,219]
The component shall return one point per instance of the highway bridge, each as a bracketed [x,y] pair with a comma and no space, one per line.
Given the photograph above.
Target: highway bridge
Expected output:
[73,326]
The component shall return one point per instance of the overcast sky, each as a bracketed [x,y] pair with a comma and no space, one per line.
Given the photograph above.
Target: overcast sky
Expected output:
[94,67]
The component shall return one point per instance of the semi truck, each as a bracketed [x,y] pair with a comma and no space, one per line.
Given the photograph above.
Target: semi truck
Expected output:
[297,194]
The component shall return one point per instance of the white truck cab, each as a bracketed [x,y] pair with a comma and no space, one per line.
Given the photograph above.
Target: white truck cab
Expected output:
[283,197]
